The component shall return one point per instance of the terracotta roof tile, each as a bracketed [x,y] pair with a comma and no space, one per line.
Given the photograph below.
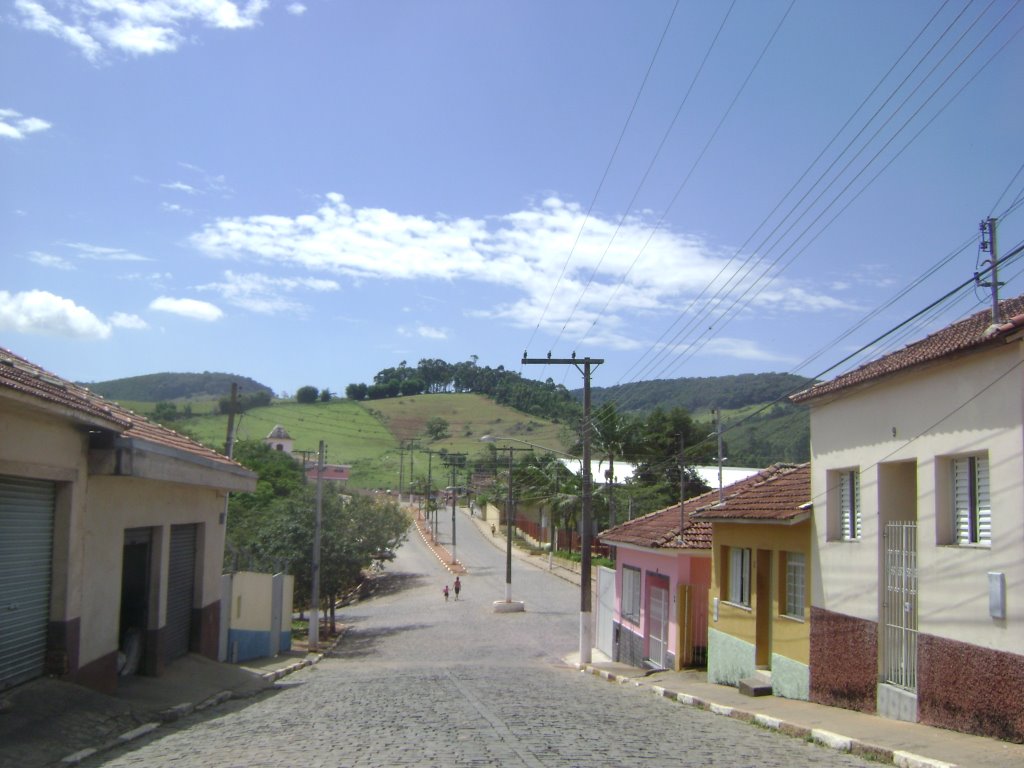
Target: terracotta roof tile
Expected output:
[660,530]
[782,493]
[968,334]
[20,375]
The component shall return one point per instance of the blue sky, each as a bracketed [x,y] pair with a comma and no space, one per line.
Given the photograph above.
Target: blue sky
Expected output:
[308,192]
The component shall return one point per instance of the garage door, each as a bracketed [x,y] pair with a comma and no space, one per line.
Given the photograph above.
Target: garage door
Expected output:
[26,547]
[180,588]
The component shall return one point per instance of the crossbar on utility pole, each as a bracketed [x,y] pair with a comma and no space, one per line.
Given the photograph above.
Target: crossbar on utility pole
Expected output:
[584,366]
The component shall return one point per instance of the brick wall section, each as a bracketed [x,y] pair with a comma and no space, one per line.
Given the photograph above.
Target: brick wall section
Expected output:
[844,661]
[970,689]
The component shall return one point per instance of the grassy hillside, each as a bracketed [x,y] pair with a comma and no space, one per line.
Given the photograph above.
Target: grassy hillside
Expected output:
[368,435]
[154,387]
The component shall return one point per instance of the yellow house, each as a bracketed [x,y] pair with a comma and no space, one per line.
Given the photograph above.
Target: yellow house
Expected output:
[760,602]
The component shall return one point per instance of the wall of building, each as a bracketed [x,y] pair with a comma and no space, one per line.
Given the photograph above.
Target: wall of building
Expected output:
[116,504]
[679,567]
[962,406]
[35,444]
[733,644]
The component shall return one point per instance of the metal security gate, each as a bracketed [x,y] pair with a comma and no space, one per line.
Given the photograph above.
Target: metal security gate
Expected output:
[899,644]
[26,549]
[606,611]
[657,643]
[180,589]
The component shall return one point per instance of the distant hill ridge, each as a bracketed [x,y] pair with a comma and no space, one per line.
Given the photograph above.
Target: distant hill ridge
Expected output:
[699,394]
[159,387]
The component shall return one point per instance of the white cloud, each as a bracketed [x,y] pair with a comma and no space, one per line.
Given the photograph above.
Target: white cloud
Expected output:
[130,322]
[175,208]
[46,313]
[428,332]
[620,278]
[264,294]
[180,186]
[136,27]
[296,9]
[15,126]
[192,308]
[104,253]
[50,261]
[745,349]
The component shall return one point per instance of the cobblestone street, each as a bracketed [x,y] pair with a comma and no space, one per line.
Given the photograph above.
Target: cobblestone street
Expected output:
[419,681]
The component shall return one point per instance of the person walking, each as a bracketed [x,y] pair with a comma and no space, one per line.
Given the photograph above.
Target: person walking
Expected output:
[458,587]
[445,590]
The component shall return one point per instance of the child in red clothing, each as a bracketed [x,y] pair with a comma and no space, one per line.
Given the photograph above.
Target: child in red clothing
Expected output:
[445,590]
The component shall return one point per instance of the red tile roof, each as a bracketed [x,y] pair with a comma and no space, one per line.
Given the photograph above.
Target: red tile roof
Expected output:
[18,374]
[660,530]
[782,493]
[969,334]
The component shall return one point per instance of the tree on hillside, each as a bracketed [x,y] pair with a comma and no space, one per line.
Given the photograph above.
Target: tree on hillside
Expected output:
[437,428]
[325,395]
[355,391]
[307,394]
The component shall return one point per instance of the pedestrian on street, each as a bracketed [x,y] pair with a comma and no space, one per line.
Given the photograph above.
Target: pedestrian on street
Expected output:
[445,590]
[458,587]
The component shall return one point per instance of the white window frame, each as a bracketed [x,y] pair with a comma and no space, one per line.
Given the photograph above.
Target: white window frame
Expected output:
[850,522]
[738,584]
[631,580]
[972,503]
[796,585]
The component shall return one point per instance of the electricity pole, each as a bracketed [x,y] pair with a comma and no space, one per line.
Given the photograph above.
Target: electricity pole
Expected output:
[454,461]
[988,244]
[584,366]
[314,610]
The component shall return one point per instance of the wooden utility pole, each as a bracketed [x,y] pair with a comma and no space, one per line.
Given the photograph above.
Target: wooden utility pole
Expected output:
[584,366]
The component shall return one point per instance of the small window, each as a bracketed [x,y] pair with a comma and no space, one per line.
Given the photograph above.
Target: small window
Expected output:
[849,505]
[631,594]
[794,587]
[739,576]
[972,508]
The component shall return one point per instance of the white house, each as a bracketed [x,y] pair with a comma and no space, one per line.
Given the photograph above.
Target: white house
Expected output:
[918,491]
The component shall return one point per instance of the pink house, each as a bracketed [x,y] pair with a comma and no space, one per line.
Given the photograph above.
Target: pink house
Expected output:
[662,579]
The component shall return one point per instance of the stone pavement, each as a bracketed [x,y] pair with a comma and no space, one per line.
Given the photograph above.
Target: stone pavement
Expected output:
[48,723]
[877,738]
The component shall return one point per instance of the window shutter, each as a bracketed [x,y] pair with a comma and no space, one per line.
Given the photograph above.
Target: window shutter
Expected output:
[972,507]
[983,504]
[849,505]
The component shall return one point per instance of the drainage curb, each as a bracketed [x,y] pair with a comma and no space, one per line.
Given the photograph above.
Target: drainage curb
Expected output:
[824,738]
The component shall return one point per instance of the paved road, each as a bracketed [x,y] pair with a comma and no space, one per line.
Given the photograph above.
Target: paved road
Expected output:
[421,682]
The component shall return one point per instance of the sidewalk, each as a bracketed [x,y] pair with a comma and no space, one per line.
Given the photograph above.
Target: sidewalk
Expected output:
[909,745]
[47,722]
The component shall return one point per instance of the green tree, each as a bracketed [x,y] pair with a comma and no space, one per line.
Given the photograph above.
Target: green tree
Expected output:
[307,394]
[325,395]
[437,428]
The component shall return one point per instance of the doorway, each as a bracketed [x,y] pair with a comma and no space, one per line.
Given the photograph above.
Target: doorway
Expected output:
[134,616]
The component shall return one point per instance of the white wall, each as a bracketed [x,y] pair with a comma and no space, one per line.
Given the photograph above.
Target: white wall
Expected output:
[965,405]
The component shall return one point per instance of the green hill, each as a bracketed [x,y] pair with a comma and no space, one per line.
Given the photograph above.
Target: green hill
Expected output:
[166,387]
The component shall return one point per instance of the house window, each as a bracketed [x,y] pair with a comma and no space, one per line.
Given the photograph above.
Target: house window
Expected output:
[972,509]
[631,594]
[738,585]
[793,605]
[849,505]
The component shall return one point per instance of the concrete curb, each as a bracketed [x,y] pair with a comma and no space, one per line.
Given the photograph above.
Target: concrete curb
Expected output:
[819,736]
[453,567]
[187,708]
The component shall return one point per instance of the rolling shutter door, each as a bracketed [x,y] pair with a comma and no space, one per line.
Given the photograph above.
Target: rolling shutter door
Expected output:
[26,548]
[180,587]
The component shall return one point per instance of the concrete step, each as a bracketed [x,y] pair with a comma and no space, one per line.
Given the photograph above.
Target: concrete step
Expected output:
[755,686]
